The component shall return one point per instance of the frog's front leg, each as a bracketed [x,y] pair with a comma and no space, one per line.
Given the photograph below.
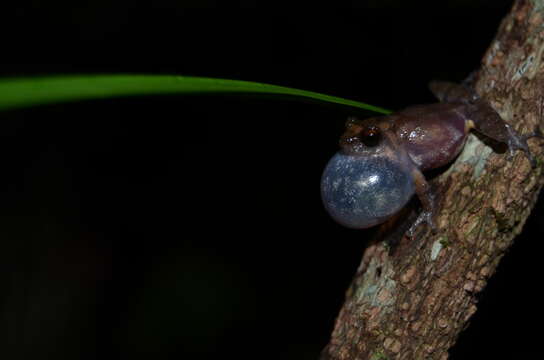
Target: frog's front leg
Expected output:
[481,116]
[427,198]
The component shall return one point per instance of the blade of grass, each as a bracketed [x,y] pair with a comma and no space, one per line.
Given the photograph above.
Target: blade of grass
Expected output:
[26,92]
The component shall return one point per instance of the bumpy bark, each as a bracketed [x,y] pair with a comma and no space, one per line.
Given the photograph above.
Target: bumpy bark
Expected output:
[411,298]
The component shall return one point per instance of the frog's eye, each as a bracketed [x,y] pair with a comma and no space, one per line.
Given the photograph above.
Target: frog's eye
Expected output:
[371,136]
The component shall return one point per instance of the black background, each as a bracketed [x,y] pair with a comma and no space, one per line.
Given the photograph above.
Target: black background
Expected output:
[191,227]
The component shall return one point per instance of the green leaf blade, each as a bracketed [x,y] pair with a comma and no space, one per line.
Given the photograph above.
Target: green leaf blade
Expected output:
[25,92]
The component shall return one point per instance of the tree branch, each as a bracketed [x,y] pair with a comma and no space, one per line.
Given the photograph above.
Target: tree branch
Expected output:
[411,298]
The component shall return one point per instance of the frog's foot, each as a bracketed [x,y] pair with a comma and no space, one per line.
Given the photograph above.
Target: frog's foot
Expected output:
[519,142]
[426,216]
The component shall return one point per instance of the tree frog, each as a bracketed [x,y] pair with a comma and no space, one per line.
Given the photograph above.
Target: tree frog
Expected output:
[381,159]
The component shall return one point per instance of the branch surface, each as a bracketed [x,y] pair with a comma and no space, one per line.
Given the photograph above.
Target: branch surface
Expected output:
[411,298]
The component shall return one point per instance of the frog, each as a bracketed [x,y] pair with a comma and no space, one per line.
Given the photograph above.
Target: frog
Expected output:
[382,160]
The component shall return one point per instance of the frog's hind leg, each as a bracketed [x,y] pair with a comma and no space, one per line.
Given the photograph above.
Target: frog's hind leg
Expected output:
[484,119]
[481,116]
[519,142]
[448,92]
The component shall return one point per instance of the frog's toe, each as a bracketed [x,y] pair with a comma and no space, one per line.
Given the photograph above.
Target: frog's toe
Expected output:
[519,142]
[425,217]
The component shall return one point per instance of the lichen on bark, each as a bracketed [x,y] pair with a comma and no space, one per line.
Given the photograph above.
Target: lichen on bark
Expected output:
[410,298]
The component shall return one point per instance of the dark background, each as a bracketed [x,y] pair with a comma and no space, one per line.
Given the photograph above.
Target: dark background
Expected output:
[192,227]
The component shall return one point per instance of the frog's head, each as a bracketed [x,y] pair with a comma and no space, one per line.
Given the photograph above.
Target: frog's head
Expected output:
[369,179]
[365,137]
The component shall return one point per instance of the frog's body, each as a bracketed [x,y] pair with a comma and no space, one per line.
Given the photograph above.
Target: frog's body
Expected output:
[420,128]
[379,166]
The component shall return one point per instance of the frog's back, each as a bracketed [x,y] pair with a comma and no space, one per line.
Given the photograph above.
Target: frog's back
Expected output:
[433,135]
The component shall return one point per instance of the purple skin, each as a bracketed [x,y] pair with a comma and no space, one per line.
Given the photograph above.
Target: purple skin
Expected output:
[380,162]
